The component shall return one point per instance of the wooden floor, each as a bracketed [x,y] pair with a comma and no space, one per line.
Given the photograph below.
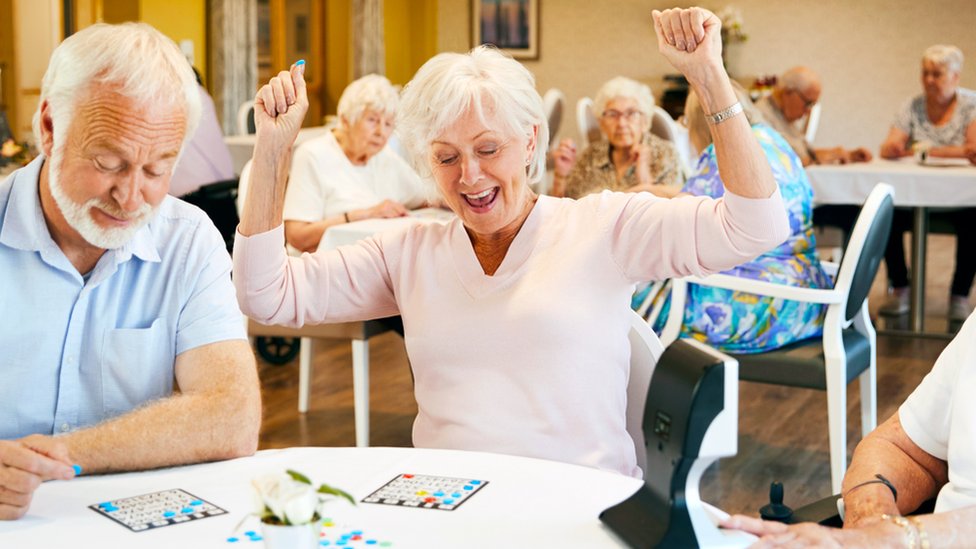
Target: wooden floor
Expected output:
[782,431]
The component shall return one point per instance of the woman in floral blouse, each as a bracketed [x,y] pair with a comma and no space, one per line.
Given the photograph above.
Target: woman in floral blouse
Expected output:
[739,322]
[629,159]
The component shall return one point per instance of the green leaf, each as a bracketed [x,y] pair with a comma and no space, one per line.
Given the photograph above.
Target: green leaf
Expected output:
[298,477]
[326,489]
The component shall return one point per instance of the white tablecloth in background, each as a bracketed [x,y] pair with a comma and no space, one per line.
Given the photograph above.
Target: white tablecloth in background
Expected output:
[350,233]
[952,184]
[242,146]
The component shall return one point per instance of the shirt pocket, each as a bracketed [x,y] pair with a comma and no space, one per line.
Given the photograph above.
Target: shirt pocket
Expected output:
[137,367]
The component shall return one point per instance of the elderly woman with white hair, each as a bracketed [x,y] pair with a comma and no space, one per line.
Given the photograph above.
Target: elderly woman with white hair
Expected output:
[516,312]
[942,121]
[630,158]
[350,173]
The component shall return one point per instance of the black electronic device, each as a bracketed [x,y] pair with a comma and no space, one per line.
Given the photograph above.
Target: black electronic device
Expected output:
[690,420]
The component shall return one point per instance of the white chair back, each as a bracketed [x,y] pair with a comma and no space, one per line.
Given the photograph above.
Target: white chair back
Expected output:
[242,186]
[245,118]
[586,122]
[663,126]
[813,122]
[645,350]
[554,102]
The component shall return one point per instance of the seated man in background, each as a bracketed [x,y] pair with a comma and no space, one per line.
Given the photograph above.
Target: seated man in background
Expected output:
[205,161]
[123,345]
[925,450]
[350,173]
[795,93]
[629,158]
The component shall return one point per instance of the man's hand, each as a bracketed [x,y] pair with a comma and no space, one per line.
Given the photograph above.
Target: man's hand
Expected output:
[24,465]
[859,154]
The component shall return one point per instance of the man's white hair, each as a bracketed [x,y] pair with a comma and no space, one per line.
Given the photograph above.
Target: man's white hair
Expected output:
[624,87]
[135,59]
[483,80]
[369,92]
[944,55]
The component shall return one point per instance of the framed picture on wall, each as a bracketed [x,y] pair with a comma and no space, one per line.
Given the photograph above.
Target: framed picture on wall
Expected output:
[512,25]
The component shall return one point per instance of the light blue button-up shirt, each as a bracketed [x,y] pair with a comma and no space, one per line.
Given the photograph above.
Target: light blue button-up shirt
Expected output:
[75,352]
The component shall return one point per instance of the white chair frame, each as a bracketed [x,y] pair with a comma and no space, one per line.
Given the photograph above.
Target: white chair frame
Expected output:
[834,356]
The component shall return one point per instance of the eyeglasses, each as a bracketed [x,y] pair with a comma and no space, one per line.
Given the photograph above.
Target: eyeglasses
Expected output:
[629,115]
[807,102]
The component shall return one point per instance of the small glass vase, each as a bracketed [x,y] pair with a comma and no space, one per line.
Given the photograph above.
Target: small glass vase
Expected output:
[301,536]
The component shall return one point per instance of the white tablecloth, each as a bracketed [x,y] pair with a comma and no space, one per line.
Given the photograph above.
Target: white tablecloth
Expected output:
[242,146]
[350,233]
[526,503]
[950,184]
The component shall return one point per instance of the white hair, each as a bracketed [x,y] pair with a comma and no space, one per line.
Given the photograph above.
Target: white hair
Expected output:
[135,59]
[451,84]
[949,57]
[622,86]
[369,92]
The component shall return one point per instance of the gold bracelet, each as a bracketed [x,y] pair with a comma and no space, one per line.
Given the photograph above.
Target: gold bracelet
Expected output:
[910,532]
[724,114]
[923,538]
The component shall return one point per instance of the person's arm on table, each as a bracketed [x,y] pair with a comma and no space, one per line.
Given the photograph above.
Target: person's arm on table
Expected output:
[305,236]
[957,151]
[216,415]
[895,145]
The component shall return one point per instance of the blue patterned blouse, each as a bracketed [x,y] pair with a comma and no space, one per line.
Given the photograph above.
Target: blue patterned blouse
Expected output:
[739,322]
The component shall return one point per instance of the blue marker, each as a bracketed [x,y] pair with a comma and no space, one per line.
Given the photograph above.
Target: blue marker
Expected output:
[77,469]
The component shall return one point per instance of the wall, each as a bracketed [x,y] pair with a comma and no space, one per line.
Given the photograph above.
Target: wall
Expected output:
[180,20]
[410,35]
[37,31]
[867,52]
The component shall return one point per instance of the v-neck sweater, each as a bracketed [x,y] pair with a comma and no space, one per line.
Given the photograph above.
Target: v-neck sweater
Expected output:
[533,360]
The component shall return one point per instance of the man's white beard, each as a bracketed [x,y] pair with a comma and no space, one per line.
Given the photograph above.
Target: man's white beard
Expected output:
[79,216]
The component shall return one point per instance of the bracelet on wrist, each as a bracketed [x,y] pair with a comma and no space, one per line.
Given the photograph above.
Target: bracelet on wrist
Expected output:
[923,538]
[724,114]
[911,534]
[878,479]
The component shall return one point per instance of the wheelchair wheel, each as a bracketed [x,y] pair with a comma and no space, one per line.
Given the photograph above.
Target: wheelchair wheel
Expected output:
[278,350]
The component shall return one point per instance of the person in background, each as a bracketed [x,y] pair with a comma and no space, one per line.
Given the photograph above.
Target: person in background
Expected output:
[630,158]
[204,162]
[495,302]
[740,322]
[123,346]
[942,120]
[350,173]
[925,450]
[795,93]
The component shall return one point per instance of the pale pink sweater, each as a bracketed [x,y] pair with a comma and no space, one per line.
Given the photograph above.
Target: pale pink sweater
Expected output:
[531,361]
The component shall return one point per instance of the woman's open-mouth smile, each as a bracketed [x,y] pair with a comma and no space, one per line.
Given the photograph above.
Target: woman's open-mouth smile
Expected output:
[483,201]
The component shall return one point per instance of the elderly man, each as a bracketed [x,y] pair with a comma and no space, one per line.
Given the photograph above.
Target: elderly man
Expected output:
[795,93]
[123,345]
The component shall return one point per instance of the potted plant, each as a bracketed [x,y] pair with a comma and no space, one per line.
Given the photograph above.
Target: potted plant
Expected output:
[290,508]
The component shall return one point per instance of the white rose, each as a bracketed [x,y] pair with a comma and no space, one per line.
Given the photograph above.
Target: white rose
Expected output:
[300,504]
